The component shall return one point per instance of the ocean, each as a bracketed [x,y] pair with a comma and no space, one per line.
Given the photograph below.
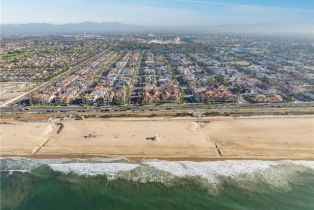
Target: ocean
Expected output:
[119,183]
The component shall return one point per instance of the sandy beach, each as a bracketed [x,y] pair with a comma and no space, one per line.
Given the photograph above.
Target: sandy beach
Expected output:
[270,137]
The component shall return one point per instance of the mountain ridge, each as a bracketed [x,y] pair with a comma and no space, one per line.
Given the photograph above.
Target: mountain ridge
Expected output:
[116,27]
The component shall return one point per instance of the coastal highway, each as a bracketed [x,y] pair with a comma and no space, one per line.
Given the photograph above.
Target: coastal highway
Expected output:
[168,107]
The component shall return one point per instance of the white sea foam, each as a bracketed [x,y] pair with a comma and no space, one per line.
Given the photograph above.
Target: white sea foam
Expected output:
[272,172]
[304,163]
[211,171]
[18,164]
[24,164]
[111,170]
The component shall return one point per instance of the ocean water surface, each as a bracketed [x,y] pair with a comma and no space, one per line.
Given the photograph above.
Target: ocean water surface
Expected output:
[119,183]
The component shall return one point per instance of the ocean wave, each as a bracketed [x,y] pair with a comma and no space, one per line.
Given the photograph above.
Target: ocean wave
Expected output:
[211,171]
[111,170]
[304,163]
[275,173]
[24,164]
[18,164]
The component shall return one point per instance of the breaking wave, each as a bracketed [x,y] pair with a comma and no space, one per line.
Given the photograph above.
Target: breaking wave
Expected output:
[120,182]
[276,173]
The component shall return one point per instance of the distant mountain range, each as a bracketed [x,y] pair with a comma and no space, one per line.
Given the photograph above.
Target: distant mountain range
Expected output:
[87,27]
[114,27]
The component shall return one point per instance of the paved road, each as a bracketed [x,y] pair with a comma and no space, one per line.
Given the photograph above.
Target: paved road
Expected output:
[174,107]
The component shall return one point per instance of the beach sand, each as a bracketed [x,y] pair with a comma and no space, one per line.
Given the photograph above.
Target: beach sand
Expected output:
[270,137]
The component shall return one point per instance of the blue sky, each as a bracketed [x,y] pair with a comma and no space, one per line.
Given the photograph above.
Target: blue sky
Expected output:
[160,12]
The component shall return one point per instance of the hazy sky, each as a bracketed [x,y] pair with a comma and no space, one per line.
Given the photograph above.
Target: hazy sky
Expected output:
[159,12]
